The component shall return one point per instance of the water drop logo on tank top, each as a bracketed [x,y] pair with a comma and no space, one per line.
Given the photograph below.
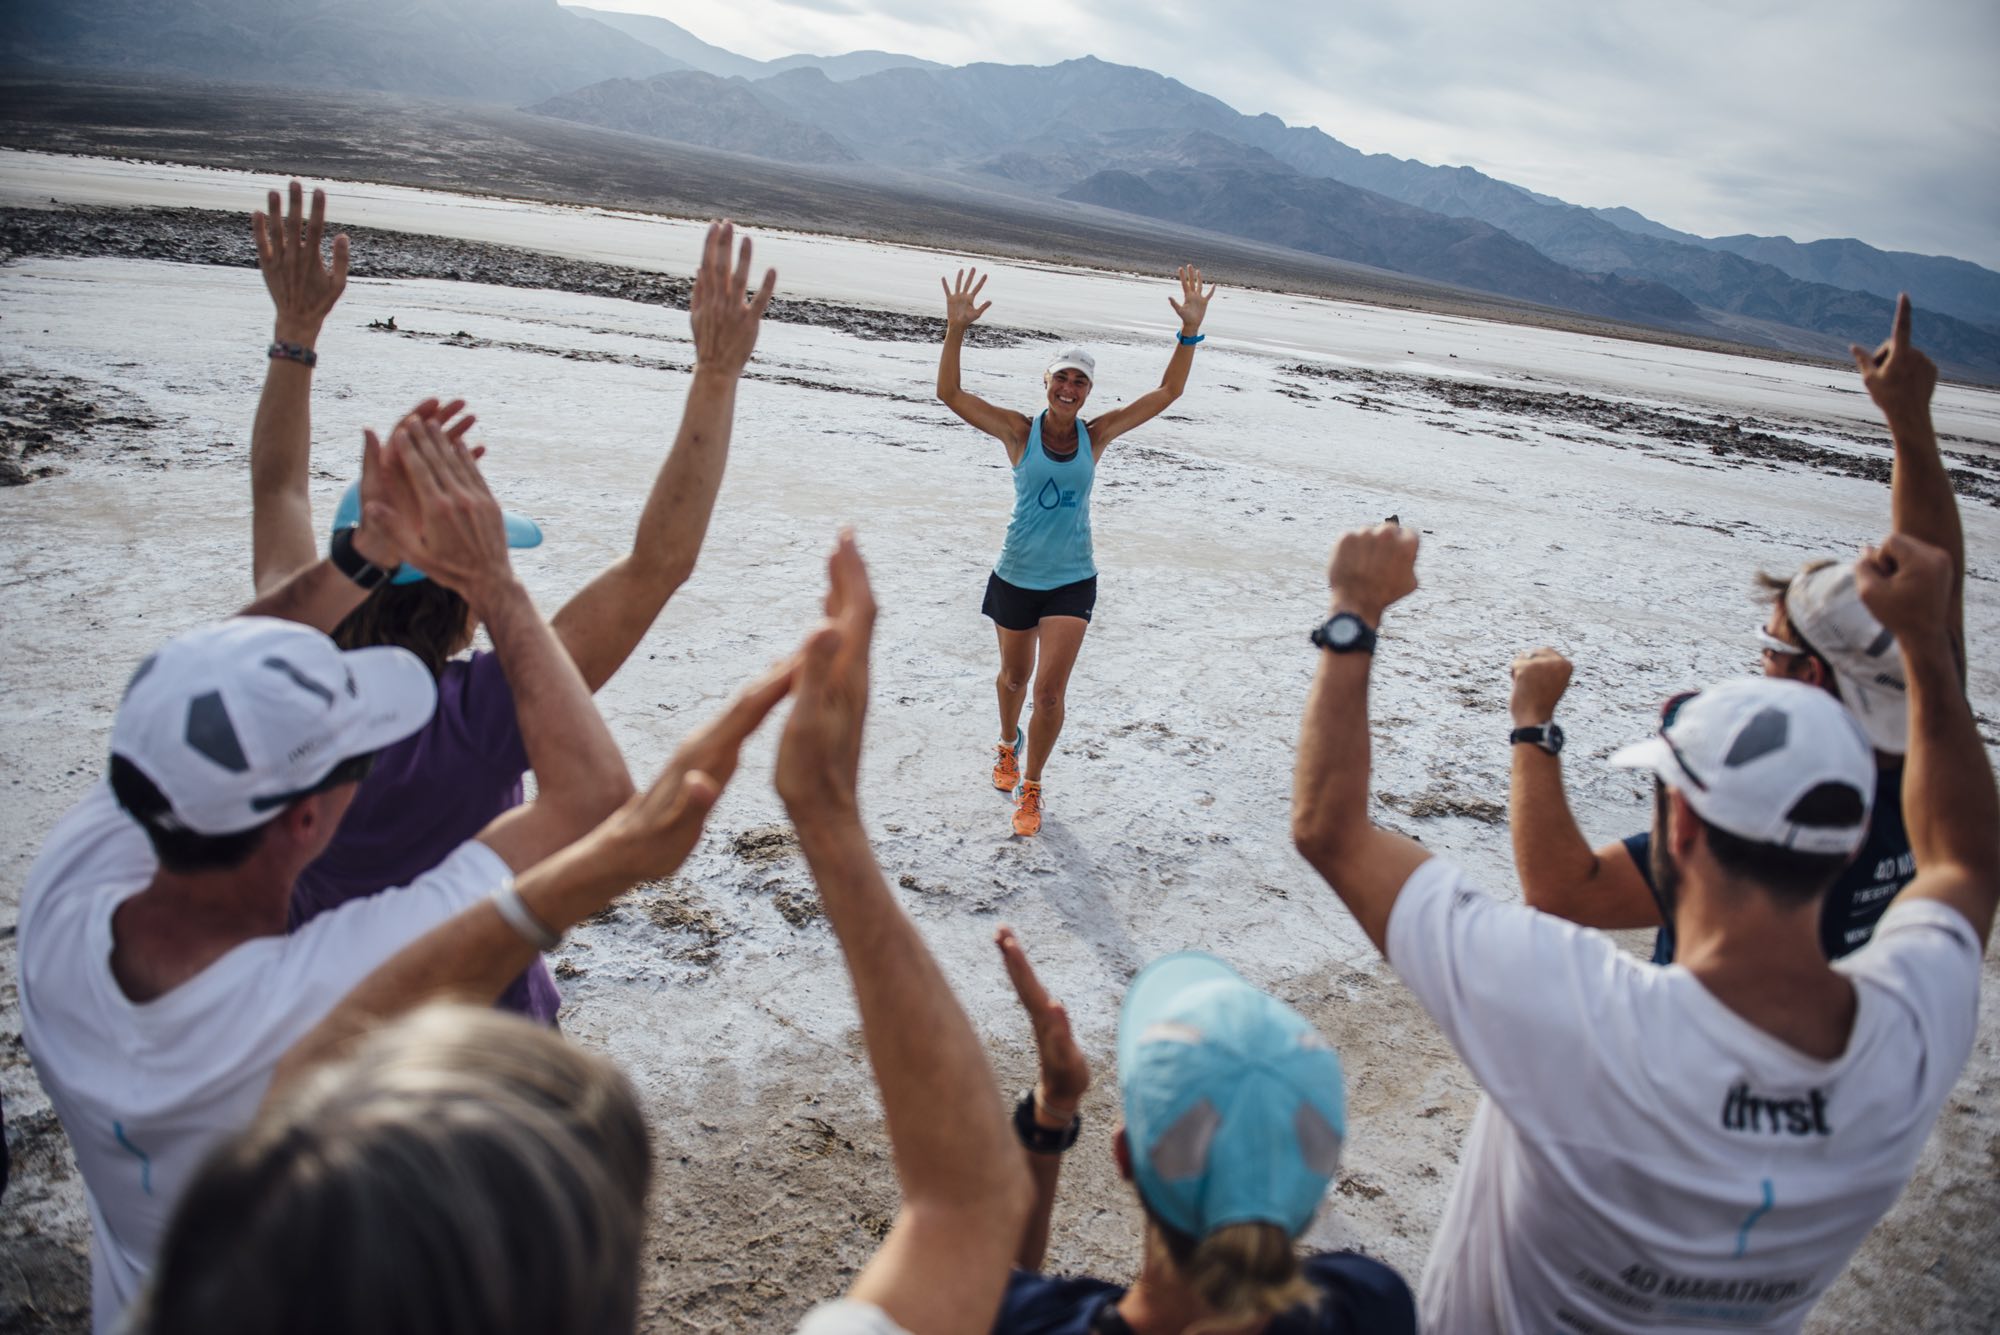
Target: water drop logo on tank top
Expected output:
[1052,497]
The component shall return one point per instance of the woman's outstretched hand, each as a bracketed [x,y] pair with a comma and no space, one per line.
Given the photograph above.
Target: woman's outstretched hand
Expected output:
[959,296]
[1193,305]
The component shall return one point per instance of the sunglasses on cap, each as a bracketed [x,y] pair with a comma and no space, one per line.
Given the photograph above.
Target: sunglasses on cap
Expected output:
[1668,712]
[1771,644]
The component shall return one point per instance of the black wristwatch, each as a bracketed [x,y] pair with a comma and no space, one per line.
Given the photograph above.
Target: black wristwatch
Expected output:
[365,573]
[1548,736]
[1037,1138]
[1345,633]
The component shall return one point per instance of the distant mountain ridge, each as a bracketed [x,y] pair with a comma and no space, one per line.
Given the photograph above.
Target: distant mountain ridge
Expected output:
[1112,136]
[689,50]
[1096,132]
[509,51]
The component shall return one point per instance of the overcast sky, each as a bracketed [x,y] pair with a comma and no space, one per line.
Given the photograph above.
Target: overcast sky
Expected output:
[1807,118]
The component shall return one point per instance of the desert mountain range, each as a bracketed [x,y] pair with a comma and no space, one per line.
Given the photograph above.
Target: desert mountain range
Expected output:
[1085,130]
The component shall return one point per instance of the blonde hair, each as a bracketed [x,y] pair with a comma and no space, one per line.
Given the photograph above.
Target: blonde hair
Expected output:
[1243,1272]
[464,1173]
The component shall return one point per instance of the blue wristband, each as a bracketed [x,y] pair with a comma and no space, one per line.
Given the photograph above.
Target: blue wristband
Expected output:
[1189,340]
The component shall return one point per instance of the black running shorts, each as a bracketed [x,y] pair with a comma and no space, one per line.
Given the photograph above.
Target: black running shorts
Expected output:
[1015,608]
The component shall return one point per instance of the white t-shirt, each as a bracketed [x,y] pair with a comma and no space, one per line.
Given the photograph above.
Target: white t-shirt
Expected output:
[144,1091]
[1645,1159]
[846,1317]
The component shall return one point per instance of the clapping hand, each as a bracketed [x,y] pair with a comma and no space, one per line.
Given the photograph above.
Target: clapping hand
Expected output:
[819,757]
[429,498]
[959,296]
[1899,377]
[1065,1071]
[1193,305]
[288,253]
[723,313]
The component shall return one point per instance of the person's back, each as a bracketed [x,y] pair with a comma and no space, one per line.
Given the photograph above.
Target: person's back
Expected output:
[1704,1144]
[1647,1157]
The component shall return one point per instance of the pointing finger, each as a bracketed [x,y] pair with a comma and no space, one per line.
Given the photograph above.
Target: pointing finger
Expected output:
[1899,333]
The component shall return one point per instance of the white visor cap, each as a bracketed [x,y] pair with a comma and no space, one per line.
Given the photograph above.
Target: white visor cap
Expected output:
[1744,753]
[1074,359]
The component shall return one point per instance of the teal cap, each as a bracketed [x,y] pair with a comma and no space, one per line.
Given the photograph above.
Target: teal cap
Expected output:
[1235,1109]
[521,530]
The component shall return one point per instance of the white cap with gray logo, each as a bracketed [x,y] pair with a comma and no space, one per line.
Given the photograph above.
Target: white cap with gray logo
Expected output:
[235,721]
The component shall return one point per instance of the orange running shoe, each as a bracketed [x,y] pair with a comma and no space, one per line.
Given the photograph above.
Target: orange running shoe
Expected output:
[1028,811]
[1007,769]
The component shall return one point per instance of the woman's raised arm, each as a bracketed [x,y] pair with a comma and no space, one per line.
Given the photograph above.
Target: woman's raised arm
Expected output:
[1192,308]
[1005,425]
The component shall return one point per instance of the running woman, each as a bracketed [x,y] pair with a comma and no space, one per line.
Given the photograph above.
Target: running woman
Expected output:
[1044,586]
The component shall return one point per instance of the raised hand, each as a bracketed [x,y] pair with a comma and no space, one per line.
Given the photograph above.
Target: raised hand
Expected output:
[288,253]
[819,757]
[959,296]
[1906,583]
[1540,678]
[1373,568]
[724,314]
[1065,1071]
[1193,305]
[436,508]
[1899,377]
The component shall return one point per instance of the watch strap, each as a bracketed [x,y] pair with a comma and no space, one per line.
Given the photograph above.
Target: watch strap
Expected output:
[1189,340]
[1038,1139]
[1363,642]
[281,351]
[1547,736]
[351,563]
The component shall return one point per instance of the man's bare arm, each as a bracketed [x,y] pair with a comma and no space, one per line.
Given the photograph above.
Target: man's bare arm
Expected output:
[1950,806]
[303,290]
[1060,1084]
[965,1192]
[1367,866]
[1559,871]
[1901,379]
[608,617]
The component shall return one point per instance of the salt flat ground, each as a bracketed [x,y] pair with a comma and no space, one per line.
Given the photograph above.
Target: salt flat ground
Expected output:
[722,992]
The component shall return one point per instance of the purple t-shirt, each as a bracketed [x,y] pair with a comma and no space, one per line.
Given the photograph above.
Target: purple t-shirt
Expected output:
[428,794]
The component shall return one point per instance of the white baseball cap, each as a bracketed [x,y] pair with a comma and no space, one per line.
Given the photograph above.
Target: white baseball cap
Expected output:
[1074,359]
[1744,753]
[235,721]
[1825,608]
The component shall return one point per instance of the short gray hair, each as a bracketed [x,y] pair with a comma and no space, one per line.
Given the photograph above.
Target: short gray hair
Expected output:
[464,1172]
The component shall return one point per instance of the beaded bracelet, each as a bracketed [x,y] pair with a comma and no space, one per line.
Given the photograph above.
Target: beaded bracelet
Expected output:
[293,352]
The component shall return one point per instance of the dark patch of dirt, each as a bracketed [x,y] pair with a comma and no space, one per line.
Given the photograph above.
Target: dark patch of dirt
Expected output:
[762,844]
[1718,436]
[1431,805]
[205,236]
[44,418]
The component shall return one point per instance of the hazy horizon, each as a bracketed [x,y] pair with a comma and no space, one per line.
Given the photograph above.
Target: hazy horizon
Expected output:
[1799,125]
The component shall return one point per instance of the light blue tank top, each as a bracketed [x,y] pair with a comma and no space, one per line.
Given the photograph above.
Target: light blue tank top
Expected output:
[1048,540]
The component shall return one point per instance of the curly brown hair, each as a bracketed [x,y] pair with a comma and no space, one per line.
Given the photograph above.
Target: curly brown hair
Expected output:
[428,619]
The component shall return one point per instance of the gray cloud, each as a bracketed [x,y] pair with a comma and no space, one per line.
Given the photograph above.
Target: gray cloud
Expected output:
[1809,118]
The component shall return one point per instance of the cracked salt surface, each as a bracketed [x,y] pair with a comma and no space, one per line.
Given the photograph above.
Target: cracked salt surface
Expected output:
[721,992]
